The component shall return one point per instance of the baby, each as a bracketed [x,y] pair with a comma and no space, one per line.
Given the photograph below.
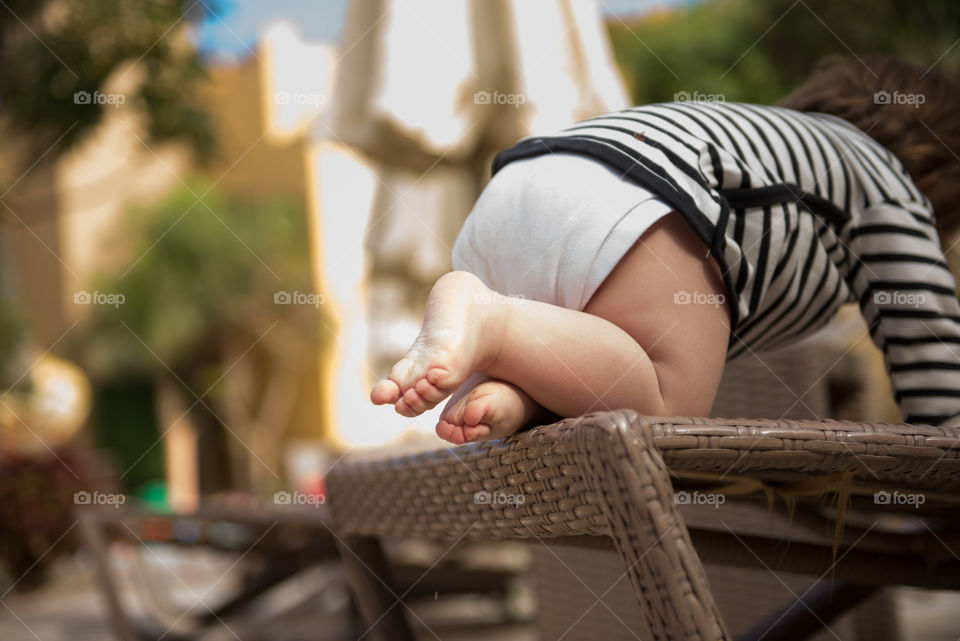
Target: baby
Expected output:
[622,261]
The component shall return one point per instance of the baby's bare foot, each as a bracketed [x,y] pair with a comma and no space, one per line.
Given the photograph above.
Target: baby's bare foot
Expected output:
[461,334]
[485,408]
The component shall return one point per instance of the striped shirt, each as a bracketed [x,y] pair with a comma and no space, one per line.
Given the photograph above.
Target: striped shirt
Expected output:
[803,212]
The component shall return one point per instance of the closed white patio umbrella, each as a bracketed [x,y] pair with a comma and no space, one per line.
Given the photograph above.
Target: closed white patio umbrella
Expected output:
[426,91]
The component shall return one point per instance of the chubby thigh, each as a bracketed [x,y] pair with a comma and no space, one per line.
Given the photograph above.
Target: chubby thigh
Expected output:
[667,293]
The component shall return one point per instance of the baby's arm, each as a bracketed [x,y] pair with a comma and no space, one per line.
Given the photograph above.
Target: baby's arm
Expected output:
[908,298]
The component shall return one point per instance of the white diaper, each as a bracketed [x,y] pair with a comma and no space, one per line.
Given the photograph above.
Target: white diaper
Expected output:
[551,228]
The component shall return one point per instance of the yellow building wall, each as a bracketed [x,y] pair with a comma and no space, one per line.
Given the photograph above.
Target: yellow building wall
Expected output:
[254,162]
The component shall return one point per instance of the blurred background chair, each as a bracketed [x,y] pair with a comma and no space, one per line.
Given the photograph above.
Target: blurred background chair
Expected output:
[255,572]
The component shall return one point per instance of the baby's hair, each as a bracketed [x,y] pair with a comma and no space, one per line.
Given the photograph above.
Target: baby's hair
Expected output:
[913,112]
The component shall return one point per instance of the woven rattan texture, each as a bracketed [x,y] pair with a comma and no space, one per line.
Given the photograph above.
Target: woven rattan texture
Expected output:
[919,456]
[786,383]
[532,484]
[522,487]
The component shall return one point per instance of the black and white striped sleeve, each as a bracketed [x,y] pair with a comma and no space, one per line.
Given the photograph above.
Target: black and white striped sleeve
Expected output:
[908,297]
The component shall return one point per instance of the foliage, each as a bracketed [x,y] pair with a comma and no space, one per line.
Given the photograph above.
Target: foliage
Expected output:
[201,266]
[14,346]
[758,50]
[36,501]
[52,49]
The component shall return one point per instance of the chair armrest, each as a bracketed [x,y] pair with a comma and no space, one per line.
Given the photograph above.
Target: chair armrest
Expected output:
[924,457]
[532,484]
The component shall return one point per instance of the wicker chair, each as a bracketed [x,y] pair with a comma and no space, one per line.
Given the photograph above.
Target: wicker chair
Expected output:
[799,499]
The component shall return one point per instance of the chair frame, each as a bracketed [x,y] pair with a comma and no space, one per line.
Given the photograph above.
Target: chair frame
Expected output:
[609,479]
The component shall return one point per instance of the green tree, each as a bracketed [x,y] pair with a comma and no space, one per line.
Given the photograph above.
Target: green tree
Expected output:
[758,50]
[53,50]
[203,314]
[200,271]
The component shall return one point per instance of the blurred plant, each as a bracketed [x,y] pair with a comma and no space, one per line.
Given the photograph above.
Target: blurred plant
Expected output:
[52,51]
[14,347]
[36,511]
[36,491]
[758,50]
[199,267]
[203,311]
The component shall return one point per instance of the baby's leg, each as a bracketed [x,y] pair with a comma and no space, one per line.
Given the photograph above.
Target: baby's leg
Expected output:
[653,338]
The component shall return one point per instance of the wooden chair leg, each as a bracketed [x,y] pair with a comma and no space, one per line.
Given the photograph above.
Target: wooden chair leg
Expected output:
[370,580]
[91,529]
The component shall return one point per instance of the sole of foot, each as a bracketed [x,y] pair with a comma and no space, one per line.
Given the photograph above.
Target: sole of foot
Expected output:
[461,334]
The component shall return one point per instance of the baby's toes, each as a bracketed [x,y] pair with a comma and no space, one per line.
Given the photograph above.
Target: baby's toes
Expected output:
[430,392]
[477,409]
[450,432]
[476,432]
[413,404]
[403,407]
[442,379]
[453,410]
[403,372]
[385,391]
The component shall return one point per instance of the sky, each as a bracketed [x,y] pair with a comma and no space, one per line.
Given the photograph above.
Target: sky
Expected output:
[230,32]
